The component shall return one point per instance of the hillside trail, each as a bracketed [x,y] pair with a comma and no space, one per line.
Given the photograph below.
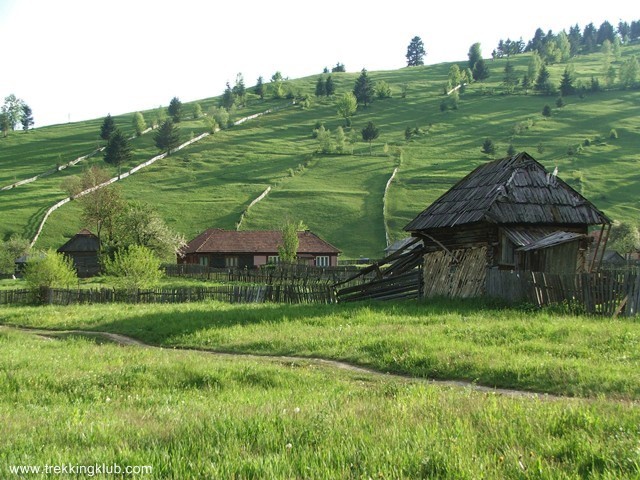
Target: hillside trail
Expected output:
[288,359]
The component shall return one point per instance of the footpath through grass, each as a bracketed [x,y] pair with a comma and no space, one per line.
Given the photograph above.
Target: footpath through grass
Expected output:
[191,415]
[537,351]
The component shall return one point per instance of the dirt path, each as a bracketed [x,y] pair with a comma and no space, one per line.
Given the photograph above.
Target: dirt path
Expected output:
[334,364]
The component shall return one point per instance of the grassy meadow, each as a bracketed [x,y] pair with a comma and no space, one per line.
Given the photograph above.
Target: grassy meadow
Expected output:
[74,400]
[340,196]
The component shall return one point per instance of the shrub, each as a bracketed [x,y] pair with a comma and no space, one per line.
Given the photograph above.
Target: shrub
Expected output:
[383,90]
[50,270]
[134,267]
[560,102]
[613,134]
[587,142]
[546,111]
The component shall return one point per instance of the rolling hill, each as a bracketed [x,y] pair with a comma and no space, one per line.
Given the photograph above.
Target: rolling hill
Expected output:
[340,197]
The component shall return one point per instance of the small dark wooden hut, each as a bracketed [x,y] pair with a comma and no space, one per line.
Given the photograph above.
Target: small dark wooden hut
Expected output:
[507,214]
[83,249]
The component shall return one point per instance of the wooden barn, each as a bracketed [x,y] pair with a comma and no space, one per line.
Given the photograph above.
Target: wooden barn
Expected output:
[252,248]
[83,249]
[509,214]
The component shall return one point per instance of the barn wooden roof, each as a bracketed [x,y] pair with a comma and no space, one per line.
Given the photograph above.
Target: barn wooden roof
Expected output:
[83,241]
[513,190]
[216,240]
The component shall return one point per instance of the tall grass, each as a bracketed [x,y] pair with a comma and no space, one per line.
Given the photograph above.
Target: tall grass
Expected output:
[538,351]
[189,415]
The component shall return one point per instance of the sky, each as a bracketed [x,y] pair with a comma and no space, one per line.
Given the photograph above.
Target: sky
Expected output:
[72,60]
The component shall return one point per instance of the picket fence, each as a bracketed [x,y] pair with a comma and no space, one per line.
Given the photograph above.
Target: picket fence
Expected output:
[283,293]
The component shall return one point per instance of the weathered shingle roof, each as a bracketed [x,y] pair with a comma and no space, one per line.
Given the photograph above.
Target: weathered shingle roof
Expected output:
[83,241]
[216,240]
[513,190]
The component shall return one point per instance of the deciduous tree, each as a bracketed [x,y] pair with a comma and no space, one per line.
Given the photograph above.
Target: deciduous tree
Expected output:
[139,125]
[50,269]
[134,267]
[347,105]
[288,250]
[13,110]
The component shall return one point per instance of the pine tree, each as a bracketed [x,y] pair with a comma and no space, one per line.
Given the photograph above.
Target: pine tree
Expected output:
[542,82]
[167,137]
[370,133]
[321,87]
[415,52]
[118,149]
[363,89]
[566,83]
[259,88]
[239,91]
[108,127]
[228,98]
[488,147]
[175,109]
[329,86]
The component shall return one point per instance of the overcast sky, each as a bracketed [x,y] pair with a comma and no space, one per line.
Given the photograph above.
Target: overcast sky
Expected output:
[80,59]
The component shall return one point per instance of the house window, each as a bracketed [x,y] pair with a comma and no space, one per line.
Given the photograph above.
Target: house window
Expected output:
[273,259]
[204,261]
[322,261]
[230,262]
[507,251]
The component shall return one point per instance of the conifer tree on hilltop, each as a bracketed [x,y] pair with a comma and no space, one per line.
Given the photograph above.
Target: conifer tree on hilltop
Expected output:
[415,52]
[363,89]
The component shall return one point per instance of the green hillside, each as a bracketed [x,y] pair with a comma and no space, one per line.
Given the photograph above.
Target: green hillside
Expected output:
[340,197]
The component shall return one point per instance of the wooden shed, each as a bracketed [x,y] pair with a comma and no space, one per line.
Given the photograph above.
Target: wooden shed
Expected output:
[83,249]
[509,214]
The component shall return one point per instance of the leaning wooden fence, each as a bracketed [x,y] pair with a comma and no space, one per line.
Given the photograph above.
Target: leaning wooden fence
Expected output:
[608,293]
[291,293]
[406,285]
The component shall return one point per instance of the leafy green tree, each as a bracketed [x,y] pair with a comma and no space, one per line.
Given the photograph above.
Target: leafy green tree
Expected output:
[175,109]
[27,117]
[134,268]
[140,224]
[324,140]
[370,133]
[347,105]
[108,127]
[624,237]
[455,76]
[534,67]
[13,110]
[101,206]
[167,137]
[161,116]
[221,117]
[259,88]
[197,111]
[566,82]
[475,54]
[415,52]
[228,98]
[342,145]
[321,87]
[329,86]
[488,147]
[563,46]
[288,250]
[629,72]
[10,250]
[139,125]
[50,269]
[118,149]
[5,125]
[363,89]
[383,90]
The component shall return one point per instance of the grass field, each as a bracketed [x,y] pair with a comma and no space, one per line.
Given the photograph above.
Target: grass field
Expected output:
[340,196]
[543,352]
[191,415]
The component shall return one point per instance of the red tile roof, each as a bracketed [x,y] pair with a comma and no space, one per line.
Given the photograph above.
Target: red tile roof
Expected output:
[216,240]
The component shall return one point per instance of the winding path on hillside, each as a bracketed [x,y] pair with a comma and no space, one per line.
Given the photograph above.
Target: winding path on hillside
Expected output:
[323,362]
[141,166]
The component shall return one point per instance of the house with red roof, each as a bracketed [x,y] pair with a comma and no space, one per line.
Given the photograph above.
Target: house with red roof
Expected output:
[219,248]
